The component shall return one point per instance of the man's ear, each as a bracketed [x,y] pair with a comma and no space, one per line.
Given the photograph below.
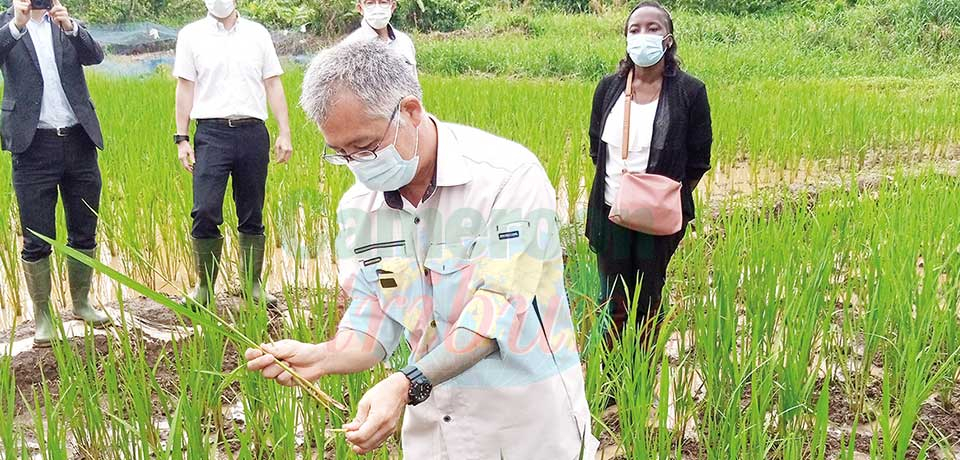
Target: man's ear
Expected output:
[413,108]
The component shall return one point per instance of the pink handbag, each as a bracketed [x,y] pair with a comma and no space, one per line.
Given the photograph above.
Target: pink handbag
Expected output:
[646,203]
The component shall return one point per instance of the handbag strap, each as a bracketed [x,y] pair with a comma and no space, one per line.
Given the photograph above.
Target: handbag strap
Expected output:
[627,99]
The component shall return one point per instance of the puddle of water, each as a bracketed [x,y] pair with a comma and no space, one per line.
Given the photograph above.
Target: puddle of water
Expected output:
[74,328]
[283,268]
[114,65]
[125,66]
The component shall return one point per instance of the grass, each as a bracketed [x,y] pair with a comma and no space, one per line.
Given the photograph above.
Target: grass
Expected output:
[769,312]
[907,39]
[146,222]
[793,321]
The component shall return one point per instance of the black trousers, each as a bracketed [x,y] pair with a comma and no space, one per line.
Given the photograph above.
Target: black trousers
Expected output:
[241,152]
[634,264]
[57,165]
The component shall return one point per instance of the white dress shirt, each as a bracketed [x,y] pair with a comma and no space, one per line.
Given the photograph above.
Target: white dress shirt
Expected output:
[476,254]
[398,41]
[642,117]
[228,66]
[55,109]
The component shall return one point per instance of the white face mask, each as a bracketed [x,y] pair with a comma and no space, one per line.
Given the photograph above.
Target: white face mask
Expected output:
[646,50]
[221,8]
[378,16]
[389,171]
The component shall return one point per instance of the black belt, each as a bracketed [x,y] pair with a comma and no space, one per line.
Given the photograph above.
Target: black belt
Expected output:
[60,132]
[230,122]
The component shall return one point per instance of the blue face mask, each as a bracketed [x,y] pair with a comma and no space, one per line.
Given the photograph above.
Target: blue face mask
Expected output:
[645,50]
[389,171]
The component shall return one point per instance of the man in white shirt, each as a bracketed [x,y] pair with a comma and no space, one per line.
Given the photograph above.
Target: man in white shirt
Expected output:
[376,26]
[227,72]
[51,128]
[448,240]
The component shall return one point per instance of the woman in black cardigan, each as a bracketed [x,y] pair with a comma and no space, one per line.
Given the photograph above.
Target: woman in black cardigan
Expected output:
[672,135]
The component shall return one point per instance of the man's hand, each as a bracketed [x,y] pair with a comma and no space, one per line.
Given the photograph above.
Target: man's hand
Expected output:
[187,158]
[378,413]
[284,148]
[61,16]
[305,359]
[21,13]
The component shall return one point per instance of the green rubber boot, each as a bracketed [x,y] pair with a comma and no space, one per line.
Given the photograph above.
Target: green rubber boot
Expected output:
[80,277]
[206,254]
[37,275]
[251,268]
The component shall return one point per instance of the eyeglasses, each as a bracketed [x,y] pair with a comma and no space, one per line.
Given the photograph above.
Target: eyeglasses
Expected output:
[330,154]
[377,2]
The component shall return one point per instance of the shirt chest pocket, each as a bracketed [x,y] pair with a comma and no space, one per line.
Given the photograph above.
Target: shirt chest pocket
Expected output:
[395,276]
[450,276]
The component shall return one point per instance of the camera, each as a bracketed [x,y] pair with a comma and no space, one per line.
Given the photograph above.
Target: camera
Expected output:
[41,4]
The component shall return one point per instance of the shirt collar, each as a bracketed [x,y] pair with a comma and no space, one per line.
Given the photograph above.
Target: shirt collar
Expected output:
[373,32]
[450,171]
[218,26]
[43,19]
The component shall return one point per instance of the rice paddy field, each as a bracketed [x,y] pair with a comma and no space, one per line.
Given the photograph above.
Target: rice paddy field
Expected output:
[814,307]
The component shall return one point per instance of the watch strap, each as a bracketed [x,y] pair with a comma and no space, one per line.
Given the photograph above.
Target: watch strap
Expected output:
[420,386]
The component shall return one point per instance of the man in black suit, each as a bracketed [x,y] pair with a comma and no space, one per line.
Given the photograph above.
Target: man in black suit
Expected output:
[50,126]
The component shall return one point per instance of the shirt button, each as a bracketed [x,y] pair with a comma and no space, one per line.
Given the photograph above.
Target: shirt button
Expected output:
[433,324]
[426,272]
[416,220]
[447,418]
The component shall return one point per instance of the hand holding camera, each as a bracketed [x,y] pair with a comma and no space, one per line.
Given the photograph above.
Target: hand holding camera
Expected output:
[21,13]
[58,13]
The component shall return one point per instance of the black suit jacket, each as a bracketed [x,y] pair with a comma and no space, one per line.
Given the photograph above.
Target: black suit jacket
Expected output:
[23,82]
[680,148]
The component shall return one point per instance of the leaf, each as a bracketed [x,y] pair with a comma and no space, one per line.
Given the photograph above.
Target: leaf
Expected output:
[199,314]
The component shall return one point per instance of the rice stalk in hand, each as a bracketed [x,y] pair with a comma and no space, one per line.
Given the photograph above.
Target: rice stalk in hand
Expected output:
[197,313]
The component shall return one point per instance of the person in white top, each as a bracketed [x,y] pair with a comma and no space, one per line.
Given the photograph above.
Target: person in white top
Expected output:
[448,240]
[671,135]
[376,26]
[227,72]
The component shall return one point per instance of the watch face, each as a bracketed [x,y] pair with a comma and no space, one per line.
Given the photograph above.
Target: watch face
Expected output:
[419,392]
[420,386]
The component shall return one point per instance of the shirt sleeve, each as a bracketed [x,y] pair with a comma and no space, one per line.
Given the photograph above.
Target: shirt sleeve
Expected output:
[271,62]
[596,120]
[520,247]
[16,32]
[412,50]
[700,137]
[364,313]
[75,31]
[184,66]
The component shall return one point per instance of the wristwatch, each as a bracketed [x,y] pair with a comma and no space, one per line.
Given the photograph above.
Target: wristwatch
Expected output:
[178,138]
[420,386]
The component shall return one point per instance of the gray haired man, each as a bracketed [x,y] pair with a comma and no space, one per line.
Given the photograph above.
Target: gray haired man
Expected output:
[448,240]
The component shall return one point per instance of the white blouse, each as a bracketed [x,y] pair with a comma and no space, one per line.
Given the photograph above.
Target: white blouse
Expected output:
[641,134]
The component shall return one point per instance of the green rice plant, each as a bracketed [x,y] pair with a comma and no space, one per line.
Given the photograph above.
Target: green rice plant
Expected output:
[198,314]
[9,438]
